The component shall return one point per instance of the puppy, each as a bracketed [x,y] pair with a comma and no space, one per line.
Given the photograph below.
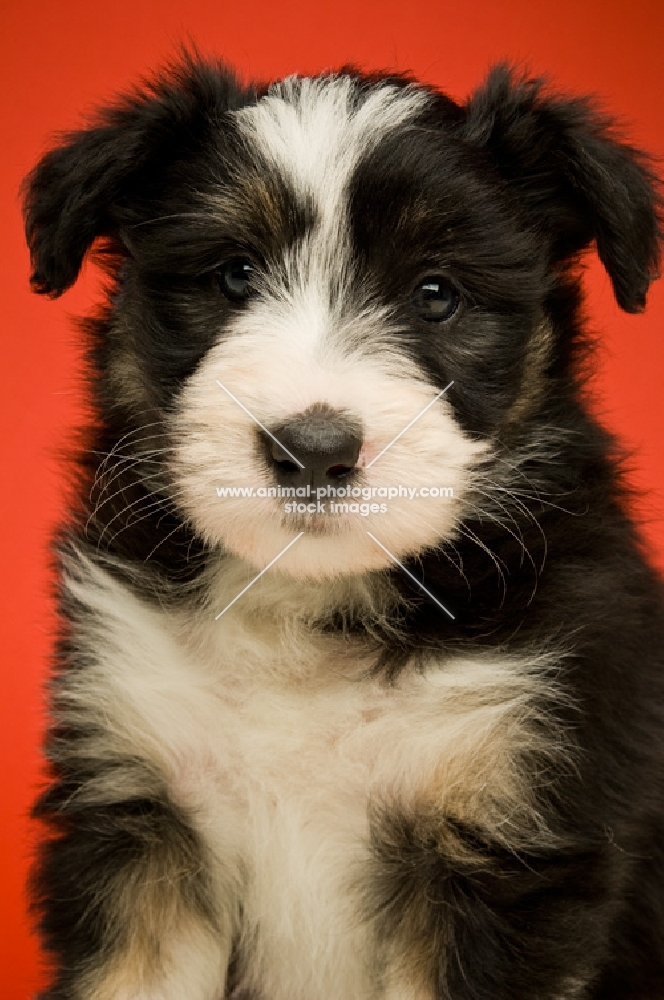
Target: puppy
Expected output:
[359,689]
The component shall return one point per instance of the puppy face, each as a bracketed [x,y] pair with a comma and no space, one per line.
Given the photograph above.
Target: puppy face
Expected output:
[334,282]
[331,324]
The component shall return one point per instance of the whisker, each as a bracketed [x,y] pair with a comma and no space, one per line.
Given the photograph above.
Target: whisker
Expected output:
[125,437]
[174,215]
[128,462]
[144,511]
[123,510]
[497,561]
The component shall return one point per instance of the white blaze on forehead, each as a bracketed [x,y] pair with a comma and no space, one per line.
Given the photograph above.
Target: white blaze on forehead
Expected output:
[312,132]
[316,129]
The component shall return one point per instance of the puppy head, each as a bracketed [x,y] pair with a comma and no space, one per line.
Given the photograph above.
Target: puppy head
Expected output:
[338,282]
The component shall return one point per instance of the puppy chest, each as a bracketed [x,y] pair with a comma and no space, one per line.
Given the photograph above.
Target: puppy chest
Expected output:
[298,773]
[311,759]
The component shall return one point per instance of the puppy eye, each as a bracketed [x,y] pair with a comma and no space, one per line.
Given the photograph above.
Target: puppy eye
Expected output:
[435,299]
[235,278]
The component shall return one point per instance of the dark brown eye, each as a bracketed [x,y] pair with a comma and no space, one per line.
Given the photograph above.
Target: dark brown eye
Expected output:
[435,299]
[235,278]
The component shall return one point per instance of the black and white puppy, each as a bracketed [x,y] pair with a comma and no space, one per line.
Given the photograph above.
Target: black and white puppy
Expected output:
[421,755]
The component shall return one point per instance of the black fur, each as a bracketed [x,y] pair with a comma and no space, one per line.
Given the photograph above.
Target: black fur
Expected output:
[505,192]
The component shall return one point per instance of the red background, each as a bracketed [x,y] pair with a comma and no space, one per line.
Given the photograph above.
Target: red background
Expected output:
[61,58]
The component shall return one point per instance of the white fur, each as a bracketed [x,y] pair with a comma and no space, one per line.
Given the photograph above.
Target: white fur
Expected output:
[277,742]
[315,130]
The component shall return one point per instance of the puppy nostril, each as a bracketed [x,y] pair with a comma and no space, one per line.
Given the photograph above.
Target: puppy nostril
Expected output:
[339,471]
[287,466]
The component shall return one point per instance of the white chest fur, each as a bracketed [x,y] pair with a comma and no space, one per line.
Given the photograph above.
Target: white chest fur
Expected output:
[279,745]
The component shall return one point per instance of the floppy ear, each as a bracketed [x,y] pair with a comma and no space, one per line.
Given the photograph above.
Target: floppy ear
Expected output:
[84,188]
[576,181]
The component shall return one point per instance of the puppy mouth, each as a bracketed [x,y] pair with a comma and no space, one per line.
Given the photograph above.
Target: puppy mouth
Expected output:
[317,524]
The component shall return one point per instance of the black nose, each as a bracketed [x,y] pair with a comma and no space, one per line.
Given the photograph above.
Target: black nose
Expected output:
[326,442]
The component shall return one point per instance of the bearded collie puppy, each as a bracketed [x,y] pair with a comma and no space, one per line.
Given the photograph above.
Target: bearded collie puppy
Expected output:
[359,692]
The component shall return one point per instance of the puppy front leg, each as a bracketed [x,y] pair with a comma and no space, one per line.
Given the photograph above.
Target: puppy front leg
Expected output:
[461,918]
[127,902]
